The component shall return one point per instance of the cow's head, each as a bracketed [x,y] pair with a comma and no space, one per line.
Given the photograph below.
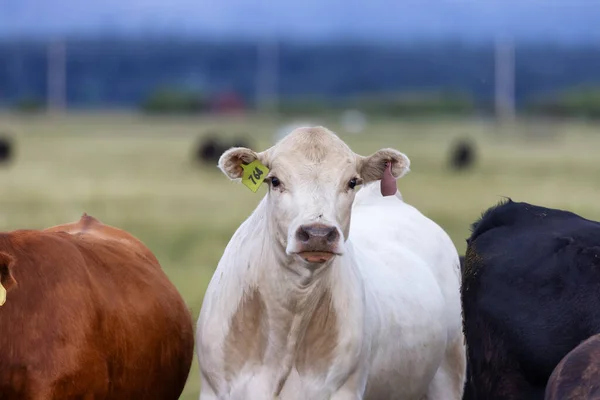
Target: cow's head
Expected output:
[313,177]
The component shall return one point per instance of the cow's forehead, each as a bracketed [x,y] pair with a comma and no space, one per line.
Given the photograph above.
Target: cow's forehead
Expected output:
[315,145]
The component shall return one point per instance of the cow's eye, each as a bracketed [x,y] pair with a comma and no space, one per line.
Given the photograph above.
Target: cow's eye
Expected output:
[352,183]
[275,182]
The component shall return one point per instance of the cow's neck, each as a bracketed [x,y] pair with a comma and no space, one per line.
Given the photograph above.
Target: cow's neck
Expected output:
[294,285]
[302,320]
[293,288]
[300,317]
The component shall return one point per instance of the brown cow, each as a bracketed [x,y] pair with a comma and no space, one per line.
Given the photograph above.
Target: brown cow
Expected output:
[577,376]
[89,314]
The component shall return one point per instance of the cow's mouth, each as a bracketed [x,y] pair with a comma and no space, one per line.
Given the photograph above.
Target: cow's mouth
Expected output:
[318,257]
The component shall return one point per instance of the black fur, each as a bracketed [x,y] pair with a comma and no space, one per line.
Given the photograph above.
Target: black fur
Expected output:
[6,149]
[530,294]
[210,147]
[462,155]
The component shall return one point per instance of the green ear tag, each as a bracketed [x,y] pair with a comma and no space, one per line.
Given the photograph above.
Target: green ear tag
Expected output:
[254,174]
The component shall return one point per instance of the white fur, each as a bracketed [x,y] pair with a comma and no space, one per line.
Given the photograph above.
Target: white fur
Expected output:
[395,289]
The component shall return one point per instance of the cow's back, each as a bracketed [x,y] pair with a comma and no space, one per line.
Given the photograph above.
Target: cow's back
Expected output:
[91,226]
[398,230]
[90,315]
[406,259]
[529,296]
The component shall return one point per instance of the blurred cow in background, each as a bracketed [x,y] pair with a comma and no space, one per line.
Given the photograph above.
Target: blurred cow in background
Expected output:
[210,146]
[462,155]
[6,148]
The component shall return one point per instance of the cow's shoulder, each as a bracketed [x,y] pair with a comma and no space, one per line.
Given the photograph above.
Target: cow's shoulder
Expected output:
[531,231]
[503,214]
[519,235]
[520,215]
[92,229]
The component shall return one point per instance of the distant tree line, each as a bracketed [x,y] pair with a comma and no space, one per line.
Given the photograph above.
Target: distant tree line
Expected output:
[179,76]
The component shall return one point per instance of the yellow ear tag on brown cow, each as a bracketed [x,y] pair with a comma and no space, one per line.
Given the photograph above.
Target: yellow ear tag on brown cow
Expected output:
[2,295]
[254,174]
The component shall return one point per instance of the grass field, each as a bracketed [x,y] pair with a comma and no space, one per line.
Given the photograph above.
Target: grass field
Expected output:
[136,173]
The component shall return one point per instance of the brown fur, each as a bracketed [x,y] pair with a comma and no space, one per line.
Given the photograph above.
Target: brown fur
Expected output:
[247,337]
[577,376]
[91,315]
[316,350]
[91,226]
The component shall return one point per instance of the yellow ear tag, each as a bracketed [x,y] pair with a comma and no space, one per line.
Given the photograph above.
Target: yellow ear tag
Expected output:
[2,295]
[254,174]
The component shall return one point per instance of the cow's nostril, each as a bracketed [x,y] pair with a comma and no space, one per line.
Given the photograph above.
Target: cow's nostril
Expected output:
[302,235]
[333,235]
[317,234]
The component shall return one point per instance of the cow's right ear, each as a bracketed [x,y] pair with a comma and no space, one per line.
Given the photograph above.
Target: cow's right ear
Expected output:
[6,265]
[373,166]
[231,161]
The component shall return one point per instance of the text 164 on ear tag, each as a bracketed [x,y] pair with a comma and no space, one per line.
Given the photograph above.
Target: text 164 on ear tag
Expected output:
[254,174]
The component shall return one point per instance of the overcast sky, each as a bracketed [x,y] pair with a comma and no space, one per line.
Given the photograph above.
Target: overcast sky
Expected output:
[314,19]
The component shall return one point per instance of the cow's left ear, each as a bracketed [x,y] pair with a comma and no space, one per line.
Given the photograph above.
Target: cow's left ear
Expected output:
[371,168]
[231,161]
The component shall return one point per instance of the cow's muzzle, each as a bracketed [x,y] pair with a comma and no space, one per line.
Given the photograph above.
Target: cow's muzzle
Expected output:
[317,243]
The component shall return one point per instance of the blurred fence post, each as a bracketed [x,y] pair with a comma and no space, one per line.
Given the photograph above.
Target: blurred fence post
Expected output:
[267,71]
[505,81]
[57,75]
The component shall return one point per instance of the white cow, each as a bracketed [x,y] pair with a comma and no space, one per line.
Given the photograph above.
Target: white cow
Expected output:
[306,305]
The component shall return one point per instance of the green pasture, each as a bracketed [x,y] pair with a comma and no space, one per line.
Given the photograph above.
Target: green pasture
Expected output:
[137,173]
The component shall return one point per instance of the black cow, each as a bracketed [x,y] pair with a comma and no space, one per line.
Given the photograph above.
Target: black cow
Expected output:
[462,155]
[577,376]
[530,294]
[209,149]
[6,149]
